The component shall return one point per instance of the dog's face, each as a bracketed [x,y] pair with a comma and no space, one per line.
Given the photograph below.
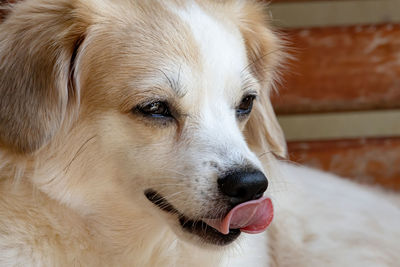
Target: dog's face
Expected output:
[156,104]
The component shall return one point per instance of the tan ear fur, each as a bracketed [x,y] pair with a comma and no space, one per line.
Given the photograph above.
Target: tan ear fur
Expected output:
[38,43]
[264,50]
[263,132]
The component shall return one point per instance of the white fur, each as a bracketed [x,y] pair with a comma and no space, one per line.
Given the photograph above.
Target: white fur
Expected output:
[325,220]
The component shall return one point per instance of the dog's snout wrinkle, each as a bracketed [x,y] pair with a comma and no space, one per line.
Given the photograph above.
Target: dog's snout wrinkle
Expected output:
[241,186]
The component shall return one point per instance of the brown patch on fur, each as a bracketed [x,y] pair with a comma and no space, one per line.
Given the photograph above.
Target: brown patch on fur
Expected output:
[34,74]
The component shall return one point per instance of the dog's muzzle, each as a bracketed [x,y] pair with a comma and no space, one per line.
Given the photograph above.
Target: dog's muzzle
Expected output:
[250,213]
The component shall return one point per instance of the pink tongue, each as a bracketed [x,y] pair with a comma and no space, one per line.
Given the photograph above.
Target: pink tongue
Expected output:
[251,217]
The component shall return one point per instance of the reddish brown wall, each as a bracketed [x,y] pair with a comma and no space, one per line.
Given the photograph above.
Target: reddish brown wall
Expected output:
[342,68]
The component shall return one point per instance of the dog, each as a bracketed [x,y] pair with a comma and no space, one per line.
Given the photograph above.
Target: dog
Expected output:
[140,133]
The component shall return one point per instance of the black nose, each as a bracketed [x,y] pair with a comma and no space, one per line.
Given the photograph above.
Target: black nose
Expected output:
[242,186]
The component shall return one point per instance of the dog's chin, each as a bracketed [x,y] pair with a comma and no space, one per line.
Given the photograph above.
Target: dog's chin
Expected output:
[196,228]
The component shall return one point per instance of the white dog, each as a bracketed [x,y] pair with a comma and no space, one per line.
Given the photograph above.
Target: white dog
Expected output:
[140,133]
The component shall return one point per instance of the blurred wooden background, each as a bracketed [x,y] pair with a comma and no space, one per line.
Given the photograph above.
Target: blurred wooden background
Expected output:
[342,69]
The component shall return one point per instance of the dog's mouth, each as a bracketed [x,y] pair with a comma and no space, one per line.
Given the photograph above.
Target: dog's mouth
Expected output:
[196,227]
[250,217]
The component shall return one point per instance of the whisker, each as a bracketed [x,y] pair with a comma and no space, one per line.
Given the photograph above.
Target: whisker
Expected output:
[81,149]
[255,61]
[171,185]
[265,153]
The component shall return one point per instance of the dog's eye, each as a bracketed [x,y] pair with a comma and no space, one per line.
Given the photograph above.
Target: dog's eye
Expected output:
[245,106]
[156,109]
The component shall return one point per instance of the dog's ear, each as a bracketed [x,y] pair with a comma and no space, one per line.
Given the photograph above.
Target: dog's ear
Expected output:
[263,132]
[264,51]
[38,46]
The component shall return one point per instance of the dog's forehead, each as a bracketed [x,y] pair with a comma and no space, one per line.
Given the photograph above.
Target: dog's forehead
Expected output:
[200,51]
[221,50]
[191,44]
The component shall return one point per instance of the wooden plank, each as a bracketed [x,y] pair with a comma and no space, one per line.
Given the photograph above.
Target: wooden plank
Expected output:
[342,69]
[372,161]
[294,1]
[340,125]
[300,1]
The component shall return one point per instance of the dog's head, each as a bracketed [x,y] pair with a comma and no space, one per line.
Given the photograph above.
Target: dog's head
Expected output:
[160,105]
